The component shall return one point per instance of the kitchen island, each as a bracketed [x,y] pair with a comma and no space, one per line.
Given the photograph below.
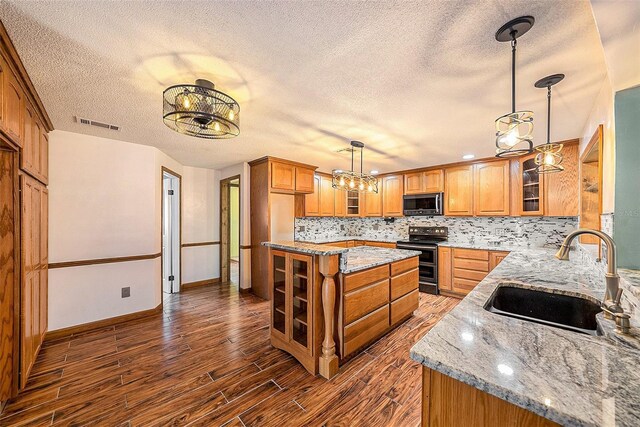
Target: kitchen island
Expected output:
[525,373]
[329,303]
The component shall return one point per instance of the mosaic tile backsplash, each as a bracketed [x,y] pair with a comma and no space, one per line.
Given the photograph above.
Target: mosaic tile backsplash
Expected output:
[521,231]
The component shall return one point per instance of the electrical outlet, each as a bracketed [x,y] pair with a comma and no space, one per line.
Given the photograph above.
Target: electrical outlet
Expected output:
[500,231]
[126,292]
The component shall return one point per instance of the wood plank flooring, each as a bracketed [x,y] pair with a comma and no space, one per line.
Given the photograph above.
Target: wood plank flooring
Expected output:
[206,361]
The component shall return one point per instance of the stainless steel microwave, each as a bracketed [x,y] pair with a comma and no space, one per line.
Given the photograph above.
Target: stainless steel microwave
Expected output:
[423,204]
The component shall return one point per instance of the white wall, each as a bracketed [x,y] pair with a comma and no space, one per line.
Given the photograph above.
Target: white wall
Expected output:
[243,170]
[104,202]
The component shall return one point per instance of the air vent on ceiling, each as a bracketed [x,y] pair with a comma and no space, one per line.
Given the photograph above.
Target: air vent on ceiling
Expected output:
[89,122]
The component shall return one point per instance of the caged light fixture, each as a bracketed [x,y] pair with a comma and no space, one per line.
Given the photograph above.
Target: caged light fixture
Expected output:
[514,129]
[549,158]
[200,110]
[352,180]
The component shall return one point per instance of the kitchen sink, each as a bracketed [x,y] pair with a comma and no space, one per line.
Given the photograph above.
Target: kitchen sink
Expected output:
[560,311]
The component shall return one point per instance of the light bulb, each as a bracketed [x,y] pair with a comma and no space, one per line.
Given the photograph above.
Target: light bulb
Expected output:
[361,186]
[549,159]
[341,182]
[370,187]
[232,115]
[186,103]
[510,138]
[216,127]
[352,184]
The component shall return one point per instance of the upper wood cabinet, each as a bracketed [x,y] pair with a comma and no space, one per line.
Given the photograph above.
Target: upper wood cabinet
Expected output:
[392,186]
[458,191]
[312,201]
[327,197]
[431,181]
[372,203]
[561,189]
[340,202]
[304,180]
[291,177]
[354,203]
[491,188]
[12,106]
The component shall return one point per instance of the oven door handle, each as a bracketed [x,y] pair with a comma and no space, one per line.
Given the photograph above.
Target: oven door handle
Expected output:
[416,247]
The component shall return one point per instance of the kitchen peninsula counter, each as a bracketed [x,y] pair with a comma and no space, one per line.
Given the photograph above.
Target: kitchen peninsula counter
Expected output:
[561,376]
[329,303]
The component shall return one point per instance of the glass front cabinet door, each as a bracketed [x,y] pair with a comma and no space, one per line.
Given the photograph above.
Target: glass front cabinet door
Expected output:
[292,293]
[531,201]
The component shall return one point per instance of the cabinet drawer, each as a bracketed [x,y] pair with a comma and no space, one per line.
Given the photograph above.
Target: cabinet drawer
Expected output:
[463,286]
[404,283]
[366,277]
[459,273]
[471,254]
[404,306]
[365,330]
[471,264]
[404,265]
[365,300]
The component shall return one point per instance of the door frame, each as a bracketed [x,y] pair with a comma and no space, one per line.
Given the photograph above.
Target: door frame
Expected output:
[225,229]
[164,170]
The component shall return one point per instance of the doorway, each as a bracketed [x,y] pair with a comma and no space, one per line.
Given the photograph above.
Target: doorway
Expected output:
[591,189]
[230,230]
[171,233]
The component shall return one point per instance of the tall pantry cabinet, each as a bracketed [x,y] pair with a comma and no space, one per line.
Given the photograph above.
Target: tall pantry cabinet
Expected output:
[24,201]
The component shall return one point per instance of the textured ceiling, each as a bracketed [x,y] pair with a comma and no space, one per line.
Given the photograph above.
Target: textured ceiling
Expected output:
[420,83]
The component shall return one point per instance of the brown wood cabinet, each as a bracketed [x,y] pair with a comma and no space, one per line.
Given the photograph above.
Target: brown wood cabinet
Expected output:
[458,191]
[492,188]
[327,197]
[372,203]
[530,187]
[460,270]
[392,192]
[34,200]
[431,181]
[449,402]
[24,125]
[291,177]
[355,203]
[340,202]
[312,200]
[562,189]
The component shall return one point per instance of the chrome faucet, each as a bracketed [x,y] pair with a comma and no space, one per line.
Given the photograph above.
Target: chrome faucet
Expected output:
[613,293]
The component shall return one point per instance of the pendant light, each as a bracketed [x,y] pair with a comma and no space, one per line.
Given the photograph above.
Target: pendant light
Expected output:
[549,158]
[352,180]
[200,110]
[514,130]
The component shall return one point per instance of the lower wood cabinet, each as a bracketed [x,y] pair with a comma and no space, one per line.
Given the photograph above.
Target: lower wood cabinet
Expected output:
[460,270]
[34,291]
[449,402]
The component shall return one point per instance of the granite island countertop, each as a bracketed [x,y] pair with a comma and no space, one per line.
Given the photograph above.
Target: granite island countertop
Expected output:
[351,259]
[364,257]
[569,378]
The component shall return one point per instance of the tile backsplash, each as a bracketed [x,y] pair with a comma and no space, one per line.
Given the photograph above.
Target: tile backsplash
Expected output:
[533,232]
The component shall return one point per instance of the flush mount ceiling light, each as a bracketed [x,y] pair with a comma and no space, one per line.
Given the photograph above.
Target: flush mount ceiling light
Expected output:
[549,158]
[352,180]
[200,110]
[513,130]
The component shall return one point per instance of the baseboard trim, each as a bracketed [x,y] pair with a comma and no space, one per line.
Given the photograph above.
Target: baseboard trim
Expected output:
[111,321]
[199,283]
[245,291]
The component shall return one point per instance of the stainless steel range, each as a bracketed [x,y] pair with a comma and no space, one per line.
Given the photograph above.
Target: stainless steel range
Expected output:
[425,240]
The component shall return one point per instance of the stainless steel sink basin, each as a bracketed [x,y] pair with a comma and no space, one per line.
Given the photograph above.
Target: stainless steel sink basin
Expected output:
[560,311]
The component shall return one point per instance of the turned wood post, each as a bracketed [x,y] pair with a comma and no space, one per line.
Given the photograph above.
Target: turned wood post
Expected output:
[328,360]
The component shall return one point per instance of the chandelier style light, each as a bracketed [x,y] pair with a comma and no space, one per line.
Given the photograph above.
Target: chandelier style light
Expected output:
[352,180]
[514,130]
[549,158]
[200,110]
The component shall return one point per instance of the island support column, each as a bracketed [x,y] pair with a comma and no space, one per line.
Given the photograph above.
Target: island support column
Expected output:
[328,364]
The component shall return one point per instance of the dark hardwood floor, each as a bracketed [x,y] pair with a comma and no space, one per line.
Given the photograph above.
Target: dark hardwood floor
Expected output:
[206,361]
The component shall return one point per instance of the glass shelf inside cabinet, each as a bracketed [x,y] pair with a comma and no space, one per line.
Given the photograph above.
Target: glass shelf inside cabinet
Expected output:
[300,281]
[353,203]
[279,300]
[530,186]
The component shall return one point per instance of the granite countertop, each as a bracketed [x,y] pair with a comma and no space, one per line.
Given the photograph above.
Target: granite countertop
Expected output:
[305,248]
[483,245]
[347,238]
[363,257]
[570,378]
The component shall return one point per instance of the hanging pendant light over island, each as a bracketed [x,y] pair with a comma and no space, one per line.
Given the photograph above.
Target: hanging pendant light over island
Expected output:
[352,180]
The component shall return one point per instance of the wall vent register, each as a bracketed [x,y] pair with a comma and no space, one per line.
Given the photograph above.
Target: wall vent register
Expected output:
[89,122]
